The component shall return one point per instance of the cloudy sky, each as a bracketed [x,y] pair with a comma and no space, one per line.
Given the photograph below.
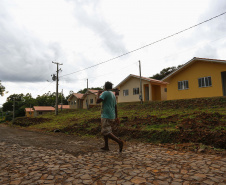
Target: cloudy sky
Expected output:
[82,33]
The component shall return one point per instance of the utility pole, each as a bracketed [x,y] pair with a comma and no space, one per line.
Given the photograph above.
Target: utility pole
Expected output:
[57,79]
[87,103]
[141,99]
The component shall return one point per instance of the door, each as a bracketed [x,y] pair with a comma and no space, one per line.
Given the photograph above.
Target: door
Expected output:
[223,77]
[147,93]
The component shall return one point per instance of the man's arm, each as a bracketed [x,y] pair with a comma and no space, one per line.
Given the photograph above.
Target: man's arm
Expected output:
[99,100]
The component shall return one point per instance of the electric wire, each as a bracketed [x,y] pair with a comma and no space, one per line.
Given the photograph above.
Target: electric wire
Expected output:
[138,49]
[147,44]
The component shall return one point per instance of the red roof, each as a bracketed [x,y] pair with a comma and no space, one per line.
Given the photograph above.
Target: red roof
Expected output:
[29,110]
[64,106]
[78,95]
[44,108]
[94,91]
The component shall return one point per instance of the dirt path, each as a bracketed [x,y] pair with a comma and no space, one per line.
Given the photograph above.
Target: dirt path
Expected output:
[33,158]
[68,143]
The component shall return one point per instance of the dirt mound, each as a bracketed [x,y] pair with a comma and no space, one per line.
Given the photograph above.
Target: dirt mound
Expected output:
[202,121]
[25,121]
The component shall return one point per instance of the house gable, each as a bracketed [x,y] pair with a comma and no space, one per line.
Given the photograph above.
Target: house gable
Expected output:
[185,82]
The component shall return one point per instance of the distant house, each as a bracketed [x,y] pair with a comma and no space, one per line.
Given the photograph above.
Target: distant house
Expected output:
[199,77]
[152,89]
[83,101]
[29,112]
[40,110]
[75,101]
[90,98]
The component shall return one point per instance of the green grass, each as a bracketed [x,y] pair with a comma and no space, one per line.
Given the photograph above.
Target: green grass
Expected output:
[183,109]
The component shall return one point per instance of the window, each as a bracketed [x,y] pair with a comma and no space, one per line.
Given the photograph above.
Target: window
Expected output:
[183,85]
[205,82]
[165,89]
[91,101]
[40,113]
[135,91]
[125,92]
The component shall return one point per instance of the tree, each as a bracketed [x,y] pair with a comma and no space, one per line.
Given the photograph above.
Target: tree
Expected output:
[19,102]
[83,91]
[2,89]
[165,72]
[47,99]
[63,99]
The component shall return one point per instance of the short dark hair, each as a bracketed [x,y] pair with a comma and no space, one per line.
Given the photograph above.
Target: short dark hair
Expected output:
[108,85]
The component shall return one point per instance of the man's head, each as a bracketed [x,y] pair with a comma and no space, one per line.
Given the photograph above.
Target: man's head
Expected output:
[108,85]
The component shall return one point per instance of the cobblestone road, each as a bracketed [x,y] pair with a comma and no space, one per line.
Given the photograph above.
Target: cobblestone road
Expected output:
[138,164]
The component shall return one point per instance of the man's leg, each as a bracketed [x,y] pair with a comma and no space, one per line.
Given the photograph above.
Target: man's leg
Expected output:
[114,138]
[105,143]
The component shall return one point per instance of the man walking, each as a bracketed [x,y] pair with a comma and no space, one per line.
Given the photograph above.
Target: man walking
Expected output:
[109,115]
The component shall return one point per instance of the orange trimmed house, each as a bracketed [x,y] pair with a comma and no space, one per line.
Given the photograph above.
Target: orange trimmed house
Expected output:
[40,110]
[199,77]
[152,89]
[29,112]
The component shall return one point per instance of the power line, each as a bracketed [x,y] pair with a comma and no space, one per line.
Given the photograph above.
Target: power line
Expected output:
[148,44]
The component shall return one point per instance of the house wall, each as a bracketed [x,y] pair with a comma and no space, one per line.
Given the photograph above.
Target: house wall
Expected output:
[192,73]
[30,114]
[130,84]
[163,92]
[37,113]
[75,103]
[90,96]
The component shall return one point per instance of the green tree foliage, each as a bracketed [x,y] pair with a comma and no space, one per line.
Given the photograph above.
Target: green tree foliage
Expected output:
[165,72]
[47,99]
[92,88]
[21,102]
[26,101]
[2,89]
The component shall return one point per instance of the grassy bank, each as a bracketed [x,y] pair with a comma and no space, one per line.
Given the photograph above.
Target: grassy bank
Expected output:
[200,120]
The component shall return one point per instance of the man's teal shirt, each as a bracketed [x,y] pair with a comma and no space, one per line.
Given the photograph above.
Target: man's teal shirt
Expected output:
[108,105]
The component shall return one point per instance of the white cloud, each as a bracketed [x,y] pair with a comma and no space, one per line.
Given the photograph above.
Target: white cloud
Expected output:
[81,34]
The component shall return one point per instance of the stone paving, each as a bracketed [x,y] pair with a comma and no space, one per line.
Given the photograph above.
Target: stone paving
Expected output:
[138,164]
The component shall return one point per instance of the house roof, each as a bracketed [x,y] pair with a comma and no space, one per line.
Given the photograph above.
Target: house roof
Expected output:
[29,110]
[94,91]
[77,95]
[190,62]
[143,78]
[64,106]
[43,108]
[91,91]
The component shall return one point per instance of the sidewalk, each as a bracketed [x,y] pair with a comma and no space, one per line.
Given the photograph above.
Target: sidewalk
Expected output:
[138,164]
